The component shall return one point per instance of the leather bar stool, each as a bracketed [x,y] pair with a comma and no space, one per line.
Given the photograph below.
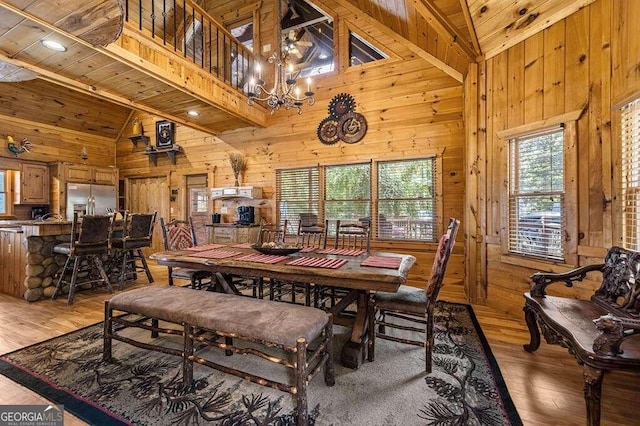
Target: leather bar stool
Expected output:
[89,242]
[137,234]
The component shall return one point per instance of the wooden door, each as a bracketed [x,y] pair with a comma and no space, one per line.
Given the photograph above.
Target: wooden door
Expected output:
[198,207]
[148,195]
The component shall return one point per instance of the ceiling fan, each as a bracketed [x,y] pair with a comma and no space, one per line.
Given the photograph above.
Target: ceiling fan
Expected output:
[292,43]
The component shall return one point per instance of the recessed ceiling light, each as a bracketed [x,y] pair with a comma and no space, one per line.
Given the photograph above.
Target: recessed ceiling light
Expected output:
[193,113]
[53,45]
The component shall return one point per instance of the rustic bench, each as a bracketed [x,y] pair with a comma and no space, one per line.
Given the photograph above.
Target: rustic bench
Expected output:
[200,313]
[595,331]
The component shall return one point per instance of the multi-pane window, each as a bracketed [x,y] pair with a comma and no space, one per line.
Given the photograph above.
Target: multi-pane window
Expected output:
[407,200]
[347,194]
[630,137]
[3,193]
[404,205]
[536,194]
[297,192]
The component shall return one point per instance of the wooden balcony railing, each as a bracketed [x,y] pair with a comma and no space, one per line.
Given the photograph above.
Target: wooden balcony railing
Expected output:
[186,28]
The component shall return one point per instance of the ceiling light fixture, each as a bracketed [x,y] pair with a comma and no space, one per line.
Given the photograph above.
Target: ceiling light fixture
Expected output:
[285,91]
[53,45]
[193,113]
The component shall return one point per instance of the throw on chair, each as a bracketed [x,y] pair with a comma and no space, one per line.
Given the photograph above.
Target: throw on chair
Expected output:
[412,305]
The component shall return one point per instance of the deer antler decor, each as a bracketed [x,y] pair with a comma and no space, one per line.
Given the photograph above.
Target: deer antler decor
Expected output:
[238,164]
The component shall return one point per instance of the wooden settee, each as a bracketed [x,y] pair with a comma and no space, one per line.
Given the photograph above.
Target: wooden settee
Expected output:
[597,331]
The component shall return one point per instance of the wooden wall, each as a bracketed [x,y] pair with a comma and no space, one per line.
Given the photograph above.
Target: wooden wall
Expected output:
[412,110]
[589,61]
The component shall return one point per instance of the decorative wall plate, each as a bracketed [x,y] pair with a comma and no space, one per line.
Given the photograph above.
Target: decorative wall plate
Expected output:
[328,131]
[352,127]
[341,104]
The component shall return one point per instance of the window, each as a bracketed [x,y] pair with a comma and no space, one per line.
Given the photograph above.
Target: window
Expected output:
[536,194]
[407,200]
[297,192]
[3,192]
[362,52]
[630,138]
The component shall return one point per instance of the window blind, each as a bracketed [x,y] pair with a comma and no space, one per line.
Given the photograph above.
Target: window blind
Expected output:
[536,194]
[407,200]
[630,139]
[348,192]
[297,192]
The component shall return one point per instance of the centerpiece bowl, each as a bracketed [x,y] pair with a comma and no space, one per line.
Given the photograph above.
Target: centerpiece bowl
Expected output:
[281,251]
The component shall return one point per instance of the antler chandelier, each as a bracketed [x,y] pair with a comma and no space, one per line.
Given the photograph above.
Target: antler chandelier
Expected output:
[285,91]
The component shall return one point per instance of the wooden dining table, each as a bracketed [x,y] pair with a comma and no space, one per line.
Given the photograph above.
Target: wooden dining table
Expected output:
[360,281]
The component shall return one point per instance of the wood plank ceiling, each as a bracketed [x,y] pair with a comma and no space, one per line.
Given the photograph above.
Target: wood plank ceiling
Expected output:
[449,34]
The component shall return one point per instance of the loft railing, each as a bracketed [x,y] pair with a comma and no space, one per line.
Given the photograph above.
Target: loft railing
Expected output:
[186,28]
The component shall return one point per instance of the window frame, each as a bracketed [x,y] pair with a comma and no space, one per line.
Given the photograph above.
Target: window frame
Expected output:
[436,155]
[620,217]
[569,124]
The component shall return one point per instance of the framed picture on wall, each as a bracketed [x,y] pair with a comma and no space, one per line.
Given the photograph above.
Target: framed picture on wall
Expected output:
[164,134]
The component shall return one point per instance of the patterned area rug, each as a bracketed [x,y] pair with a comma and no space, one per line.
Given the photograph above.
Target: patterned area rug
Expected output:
[143,387]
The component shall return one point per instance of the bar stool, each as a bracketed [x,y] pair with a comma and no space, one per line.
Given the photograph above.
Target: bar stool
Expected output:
[136,234]
[85,250]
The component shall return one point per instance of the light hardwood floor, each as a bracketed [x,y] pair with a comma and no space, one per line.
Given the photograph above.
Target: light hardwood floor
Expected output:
[546,386]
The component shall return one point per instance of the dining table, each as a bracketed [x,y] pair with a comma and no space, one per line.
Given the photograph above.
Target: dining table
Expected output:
[358,272]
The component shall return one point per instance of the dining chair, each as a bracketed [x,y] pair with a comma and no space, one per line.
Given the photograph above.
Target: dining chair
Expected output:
[349,235]
[137,233]
[180,235]
[272,232]
[412,305]
[311,236]
[352,235]
[89,241]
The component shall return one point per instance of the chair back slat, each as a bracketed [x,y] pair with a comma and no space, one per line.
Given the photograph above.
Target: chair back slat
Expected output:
[352,236]
[445,246]
[177,234]
[313,235]
[270,232]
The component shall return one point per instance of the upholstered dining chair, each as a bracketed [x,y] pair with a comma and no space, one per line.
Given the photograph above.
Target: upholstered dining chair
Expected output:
[179,235]
[412,305]
[137,233]
[88,243]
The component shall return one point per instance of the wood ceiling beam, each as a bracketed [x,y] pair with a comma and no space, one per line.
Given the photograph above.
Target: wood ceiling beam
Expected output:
[470,26]
[420,52]
[444,27]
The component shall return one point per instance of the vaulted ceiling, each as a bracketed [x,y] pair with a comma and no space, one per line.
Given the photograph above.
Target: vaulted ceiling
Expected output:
[89,79]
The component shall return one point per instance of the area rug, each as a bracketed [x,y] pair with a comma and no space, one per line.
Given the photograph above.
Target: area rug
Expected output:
[143,387]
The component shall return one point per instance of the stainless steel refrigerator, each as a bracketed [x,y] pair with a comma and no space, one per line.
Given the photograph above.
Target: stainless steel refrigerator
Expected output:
[78,197]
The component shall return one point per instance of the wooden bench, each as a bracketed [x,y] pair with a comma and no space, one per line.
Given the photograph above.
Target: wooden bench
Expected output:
[271,324]
[595,331]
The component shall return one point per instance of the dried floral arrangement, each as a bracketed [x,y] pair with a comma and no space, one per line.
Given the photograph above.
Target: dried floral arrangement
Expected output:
[238,164]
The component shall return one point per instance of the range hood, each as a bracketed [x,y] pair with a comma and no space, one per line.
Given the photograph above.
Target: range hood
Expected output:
[250,192]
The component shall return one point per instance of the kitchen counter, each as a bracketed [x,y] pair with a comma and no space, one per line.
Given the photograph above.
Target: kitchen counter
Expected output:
[27,262]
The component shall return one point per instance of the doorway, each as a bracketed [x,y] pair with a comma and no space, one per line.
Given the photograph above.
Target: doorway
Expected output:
[198,205]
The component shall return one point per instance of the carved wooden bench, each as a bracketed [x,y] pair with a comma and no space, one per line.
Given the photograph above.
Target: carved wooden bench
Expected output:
[271,324]
[595,331]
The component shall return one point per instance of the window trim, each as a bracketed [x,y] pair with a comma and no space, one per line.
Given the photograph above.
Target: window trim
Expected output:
[436,154]
[618,204]
[569,121]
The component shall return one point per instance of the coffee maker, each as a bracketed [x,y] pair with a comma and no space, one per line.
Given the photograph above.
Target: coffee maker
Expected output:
[246,215]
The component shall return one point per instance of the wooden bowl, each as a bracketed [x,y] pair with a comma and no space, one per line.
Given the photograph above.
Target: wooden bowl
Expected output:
[281,251]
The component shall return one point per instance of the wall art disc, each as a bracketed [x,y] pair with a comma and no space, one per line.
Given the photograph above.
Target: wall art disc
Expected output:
[352,127]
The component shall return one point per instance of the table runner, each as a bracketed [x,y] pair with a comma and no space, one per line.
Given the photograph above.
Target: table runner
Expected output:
[205,247]
[317,262]
[263,258]
[343,252]
[382,262]
[216,254]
